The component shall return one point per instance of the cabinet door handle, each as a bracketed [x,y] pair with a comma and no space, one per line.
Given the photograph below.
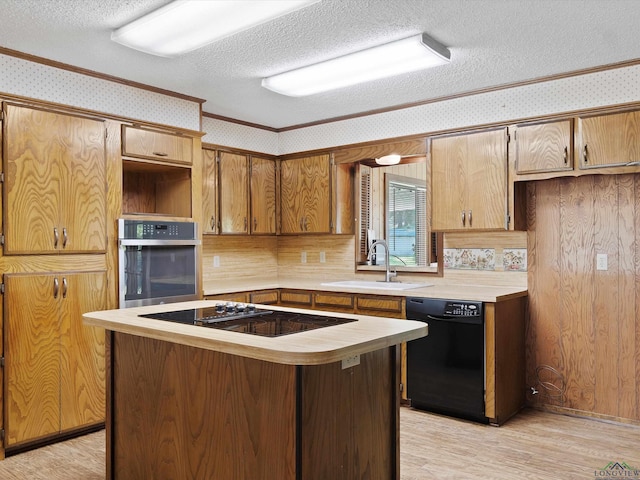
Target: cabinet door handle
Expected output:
[464,218]
[306,224]
[64,287]
[470,218]
[245,224]
[255,223]
[301,224]
[566,155]
[56,237]
[56,287]
[64,237]
[585,154]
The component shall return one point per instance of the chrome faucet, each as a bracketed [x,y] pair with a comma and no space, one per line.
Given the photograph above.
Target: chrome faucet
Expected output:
[388,275]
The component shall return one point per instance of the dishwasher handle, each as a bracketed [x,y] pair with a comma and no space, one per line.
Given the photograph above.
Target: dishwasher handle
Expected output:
[471,320]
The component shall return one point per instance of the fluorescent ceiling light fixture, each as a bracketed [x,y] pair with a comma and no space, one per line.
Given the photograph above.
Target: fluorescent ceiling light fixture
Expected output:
[186,25]
[392,159]
[402,56]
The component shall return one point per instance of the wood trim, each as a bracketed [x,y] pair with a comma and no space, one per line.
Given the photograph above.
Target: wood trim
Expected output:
[239,122]
[372,150]
[92,73]
[574,73]
[572,412]
[85,112]
[240,151]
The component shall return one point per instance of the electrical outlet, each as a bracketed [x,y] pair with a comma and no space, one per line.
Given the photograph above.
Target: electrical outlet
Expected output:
[303,257]
[601,261]
[323,257]
[216,261]
[350,362]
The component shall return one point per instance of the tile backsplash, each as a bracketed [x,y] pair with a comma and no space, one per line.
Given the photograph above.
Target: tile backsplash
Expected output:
[488,259]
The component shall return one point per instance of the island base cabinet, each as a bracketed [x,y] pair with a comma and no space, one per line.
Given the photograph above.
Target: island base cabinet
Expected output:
[177,411]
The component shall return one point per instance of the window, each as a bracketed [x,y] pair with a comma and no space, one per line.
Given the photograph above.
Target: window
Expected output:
[406,229]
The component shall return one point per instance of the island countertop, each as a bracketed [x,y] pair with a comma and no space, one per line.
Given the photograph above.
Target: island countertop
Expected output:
[312,347]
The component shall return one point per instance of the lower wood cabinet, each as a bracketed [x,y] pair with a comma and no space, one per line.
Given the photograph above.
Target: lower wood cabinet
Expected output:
[504,359]
[263,297]
[184,412]
[54,364]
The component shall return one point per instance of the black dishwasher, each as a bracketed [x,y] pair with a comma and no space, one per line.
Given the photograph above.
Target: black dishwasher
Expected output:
[446,369]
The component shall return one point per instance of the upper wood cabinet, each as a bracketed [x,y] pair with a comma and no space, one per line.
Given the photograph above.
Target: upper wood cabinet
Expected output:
[316,196]
[54,364]
[305,195]
[239,193]
[609,140]
[209,191]
[156,145]
[55,182]
[469,181]
[263,195]
[543,147]
[233,183]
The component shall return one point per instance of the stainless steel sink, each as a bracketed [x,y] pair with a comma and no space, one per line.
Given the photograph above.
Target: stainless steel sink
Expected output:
[376,285]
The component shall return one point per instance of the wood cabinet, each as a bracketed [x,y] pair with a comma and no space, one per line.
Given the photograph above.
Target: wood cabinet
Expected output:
[469,181]
[55,182]
[504,359]
[263,195]
[54,364]
[316,196]
[248,419]
[156,189]
[543,147]
[376,305]
[609,140]
[239,193]
[209,191]
[156,145]
[233,184]
[305,195]
[262,297]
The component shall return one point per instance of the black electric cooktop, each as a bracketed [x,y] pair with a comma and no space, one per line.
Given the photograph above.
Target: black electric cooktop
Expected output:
[249,319]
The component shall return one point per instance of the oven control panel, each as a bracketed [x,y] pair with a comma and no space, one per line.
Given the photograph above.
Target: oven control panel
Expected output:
[152,230]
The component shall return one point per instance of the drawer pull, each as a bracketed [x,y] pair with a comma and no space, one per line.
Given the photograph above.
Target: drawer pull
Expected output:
[161,154]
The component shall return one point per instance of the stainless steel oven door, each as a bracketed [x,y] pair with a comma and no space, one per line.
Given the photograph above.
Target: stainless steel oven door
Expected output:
[157,271]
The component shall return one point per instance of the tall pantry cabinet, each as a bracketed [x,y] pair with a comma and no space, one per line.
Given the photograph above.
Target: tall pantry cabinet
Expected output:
[54,201]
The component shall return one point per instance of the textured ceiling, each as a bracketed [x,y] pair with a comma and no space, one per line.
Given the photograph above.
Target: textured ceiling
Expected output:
[492,42]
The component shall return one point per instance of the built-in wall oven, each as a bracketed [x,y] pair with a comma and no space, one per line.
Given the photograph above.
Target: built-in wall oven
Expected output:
[157,262]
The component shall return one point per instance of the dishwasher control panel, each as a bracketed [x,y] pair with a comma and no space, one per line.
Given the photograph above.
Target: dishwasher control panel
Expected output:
[462,309]
[419,308]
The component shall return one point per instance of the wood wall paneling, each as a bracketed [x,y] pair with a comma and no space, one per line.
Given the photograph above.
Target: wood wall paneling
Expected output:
[583,322]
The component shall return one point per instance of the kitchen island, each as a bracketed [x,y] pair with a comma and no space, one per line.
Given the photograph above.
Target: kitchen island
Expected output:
[185,401]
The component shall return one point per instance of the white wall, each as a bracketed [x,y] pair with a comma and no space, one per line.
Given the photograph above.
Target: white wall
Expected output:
[610,87]
[34,80]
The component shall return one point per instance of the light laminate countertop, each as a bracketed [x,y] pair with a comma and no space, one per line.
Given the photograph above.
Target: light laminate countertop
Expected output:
[313,347]
[439,289]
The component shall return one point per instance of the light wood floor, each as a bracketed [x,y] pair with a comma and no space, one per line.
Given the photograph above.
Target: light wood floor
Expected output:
[534,446]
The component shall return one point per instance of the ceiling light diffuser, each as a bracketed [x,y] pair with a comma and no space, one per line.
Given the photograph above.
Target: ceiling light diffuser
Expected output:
[186,25]
[402,56]
[392,159]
